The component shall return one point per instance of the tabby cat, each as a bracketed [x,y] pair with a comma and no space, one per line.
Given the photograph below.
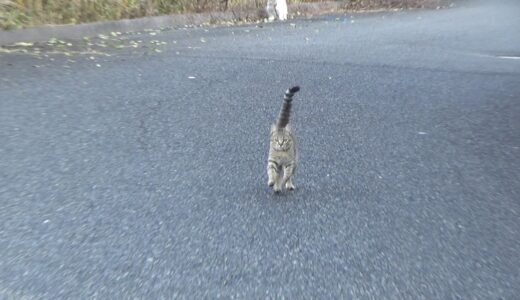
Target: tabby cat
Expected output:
[281,163]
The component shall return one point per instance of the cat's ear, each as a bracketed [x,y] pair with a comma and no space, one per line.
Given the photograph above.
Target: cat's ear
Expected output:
[288,127]
[273,128]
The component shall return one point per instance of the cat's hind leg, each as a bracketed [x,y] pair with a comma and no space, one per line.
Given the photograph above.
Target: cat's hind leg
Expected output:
[281,9]
[270,9]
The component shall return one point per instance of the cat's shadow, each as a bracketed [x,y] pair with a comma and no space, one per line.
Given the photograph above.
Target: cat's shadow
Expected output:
[285,195]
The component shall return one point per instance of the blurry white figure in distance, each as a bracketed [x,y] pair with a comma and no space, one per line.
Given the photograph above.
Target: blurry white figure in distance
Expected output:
[278,6]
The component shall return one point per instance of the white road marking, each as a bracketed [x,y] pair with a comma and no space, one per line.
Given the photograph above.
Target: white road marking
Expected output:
[509,57]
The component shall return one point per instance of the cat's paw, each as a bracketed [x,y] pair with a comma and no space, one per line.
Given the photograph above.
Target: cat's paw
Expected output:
[270,183]
[290,186]
[277,189]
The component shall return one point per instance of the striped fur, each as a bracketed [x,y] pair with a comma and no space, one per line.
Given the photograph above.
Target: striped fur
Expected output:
[285,112]
[281,163]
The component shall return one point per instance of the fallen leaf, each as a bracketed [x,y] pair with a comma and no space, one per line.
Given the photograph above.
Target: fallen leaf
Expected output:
[24,44]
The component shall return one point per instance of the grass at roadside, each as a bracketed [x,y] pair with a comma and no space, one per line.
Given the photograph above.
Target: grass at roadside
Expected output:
[27,13]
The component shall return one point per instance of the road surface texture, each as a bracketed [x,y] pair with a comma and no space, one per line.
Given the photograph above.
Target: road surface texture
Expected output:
[143,174]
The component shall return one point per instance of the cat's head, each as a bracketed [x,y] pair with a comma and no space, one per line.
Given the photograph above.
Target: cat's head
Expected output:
[281,138]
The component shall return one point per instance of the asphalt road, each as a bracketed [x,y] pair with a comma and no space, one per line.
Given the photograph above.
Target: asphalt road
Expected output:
[142,174]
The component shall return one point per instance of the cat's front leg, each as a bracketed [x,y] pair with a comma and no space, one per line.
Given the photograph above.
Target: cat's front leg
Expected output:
[290,184]
[277,188]
[288,173]
[272,173]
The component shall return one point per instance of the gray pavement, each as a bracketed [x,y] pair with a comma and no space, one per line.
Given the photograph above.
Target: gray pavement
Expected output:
[142,174]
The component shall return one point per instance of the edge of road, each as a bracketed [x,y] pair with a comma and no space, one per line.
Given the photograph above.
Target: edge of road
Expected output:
[79,31]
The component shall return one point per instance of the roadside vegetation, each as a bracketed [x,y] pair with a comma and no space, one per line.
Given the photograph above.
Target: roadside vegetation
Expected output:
[27,13]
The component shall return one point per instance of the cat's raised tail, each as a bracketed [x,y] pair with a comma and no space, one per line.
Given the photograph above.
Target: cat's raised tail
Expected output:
[285,112]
